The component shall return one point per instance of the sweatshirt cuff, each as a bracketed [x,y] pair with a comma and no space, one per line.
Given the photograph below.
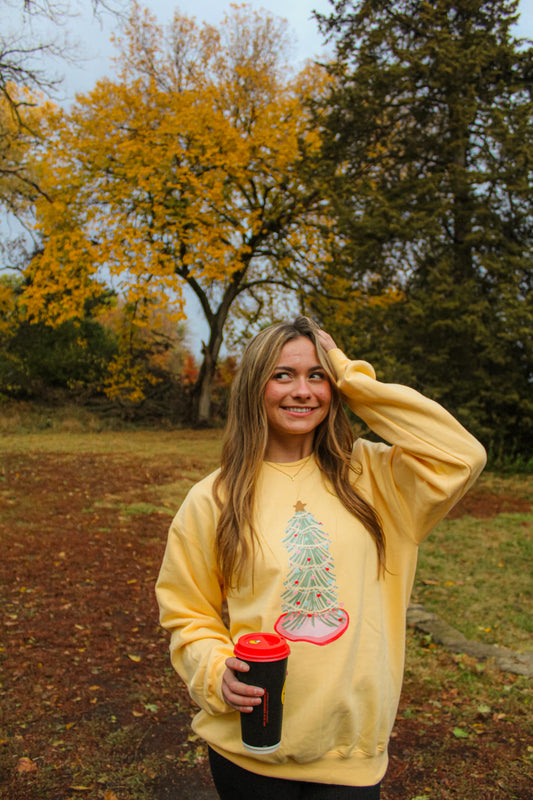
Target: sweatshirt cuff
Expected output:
[341,362]
[219,705]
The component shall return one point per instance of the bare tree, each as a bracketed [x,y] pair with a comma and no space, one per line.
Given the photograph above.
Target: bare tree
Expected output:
[34,45]
[25,49]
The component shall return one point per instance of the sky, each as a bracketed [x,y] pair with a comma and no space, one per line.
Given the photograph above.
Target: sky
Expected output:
[93,45]
[93,36]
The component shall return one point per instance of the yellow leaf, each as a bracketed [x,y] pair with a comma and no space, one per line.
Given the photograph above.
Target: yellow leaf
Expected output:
[133,657]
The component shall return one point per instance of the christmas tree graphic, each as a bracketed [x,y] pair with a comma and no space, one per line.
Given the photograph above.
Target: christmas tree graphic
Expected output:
[309,601]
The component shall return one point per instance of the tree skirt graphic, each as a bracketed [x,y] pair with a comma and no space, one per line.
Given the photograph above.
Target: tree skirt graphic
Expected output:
[314,628]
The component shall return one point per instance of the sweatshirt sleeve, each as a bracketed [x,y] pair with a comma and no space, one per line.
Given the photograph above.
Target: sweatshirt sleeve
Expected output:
[189,594]
[431,460]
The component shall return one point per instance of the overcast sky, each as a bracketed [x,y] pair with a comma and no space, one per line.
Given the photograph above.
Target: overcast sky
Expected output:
[93,37]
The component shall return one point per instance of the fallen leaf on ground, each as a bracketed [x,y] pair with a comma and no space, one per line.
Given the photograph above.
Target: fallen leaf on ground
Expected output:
[459,733]
[26,765]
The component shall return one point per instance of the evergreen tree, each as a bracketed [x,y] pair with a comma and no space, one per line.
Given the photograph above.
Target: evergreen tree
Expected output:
[42,362]
[430,115]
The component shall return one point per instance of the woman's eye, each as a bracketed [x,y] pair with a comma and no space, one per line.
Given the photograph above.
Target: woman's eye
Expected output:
[318,375]
[282,375]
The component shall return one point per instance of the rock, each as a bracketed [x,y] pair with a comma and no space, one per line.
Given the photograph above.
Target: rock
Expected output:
[454,641]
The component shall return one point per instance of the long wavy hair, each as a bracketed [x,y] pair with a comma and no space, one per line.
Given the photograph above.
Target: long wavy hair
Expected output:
[245,443]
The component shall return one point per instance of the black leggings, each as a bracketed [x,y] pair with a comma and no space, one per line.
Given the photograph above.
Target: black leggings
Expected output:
[235,783]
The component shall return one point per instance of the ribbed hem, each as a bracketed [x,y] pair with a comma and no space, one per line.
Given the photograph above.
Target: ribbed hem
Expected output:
[358,770]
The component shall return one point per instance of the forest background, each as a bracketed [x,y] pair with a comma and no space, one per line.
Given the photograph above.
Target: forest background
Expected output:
[385,191]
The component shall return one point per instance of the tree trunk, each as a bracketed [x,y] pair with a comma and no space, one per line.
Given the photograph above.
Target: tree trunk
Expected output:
[204,384]
[203,388]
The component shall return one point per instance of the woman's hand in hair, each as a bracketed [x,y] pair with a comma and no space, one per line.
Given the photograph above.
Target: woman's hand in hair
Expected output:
[326,341]
[238,695]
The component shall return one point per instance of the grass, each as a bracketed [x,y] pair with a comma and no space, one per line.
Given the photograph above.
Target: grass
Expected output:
[476,575]
[475,691]
[203,447]
[520,485]
[21,417]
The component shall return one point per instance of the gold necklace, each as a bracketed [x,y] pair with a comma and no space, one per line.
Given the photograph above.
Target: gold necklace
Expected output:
[287,475]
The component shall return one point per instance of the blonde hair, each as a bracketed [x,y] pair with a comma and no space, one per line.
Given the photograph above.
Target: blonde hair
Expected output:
[245,444]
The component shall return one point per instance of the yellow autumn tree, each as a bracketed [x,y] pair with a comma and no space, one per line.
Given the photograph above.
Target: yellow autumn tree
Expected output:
[185,170]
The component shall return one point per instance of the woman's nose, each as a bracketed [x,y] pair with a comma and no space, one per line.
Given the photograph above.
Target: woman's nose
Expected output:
[301,388]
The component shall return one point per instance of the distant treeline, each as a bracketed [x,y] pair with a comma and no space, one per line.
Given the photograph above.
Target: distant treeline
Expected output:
[107,364]
[104,361]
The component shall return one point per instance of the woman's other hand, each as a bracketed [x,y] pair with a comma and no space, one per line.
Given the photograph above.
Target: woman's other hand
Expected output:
[326,341]
[238,695]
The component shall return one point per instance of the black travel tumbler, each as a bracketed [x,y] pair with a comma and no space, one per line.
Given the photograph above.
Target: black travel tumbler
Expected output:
[266,654]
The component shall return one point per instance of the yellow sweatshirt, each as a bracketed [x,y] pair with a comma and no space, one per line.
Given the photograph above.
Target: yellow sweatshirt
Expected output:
[316,582]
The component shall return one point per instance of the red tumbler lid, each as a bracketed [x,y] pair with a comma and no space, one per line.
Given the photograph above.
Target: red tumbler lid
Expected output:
[262,647]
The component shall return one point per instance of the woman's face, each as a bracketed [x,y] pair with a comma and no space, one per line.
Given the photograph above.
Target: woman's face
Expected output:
[297,398]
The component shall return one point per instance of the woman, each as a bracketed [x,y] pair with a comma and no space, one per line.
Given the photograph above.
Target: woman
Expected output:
[307,533]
